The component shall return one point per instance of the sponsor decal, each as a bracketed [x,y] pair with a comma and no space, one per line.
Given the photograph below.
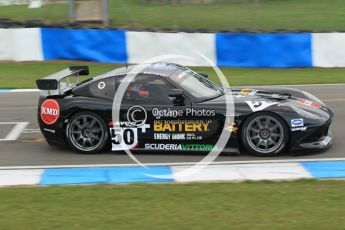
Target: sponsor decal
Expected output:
[128,80]
[299,129]
[126,137]
[193,136]
[162,65]
[169,136]
[180,127]
[178,136]
[199,147]
[101,85]
[136,116]
[327,140]
[50,111]
[49,130]
[233,128]
[248,91]
[309,103]
[297,122]
[259,105]
[173,113]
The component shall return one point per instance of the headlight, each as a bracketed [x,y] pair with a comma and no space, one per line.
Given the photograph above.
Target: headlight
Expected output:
[306,114]
[313,98]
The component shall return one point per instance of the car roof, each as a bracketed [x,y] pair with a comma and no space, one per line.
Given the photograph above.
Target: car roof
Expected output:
[162,69]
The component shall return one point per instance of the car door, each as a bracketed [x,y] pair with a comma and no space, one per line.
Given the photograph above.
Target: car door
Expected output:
[148,115]
[175,125]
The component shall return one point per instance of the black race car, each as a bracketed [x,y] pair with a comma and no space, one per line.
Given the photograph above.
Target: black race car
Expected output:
[169,107]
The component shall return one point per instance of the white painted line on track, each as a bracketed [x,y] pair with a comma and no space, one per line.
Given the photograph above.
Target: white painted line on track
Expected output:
[20,91]
[312,85]
[16,131]
[303,85]
[25,90]
[174,163]
[337,99]
[17,108]
[27,131]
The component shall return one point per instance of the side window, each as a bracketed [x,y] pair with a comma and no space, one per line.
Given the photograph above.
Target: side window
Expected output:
[148,88]
[104,88]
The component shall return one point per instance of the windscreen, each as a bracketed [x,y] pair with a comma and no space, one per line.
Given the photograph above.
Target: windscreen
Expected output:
[197,85]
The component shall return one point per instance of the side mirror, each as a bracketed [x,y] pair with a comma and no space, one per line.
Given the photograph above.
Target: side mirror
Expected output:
[176,93]
[204,75]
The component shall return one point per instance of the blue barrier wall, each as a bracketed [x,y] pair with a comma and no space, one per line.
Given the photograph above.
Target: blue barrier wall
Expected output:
[89,45]
[264,50]
[229,50]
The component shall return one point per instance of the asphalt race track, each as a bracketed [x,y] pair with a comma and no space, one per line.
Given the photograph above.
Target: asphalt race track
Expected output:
[21,144]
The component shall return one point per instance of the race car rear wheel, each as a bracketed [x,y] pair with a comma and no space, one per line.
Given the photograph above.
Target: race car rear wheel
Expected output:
[264,134]
[86,132]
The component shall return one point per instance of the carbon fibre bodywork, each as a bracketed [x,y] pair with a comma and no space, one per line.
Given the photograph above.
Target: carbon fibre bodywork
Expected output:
[192,125]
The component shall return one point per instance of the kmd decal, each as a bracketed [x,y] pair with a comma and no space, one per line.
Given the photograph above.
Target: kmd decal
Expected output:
[50,111]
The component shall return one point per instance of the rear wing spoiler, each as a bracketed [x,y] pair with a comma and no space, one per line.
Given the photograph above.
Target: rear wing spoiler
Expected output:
[52,82]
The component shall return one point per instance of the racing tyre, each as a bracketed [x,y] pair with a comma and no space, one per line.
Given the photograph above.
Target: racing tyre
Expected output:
[86,132]
[264,134]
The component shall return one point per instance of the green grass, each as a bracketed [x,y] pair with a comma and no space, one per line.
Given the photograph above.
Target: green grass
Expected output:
[49,13]
[249,205]
[24,74]
[268,15]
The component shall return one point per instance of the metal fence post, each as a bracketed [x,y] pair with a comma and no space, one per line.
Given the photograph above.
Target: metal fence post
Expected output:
[71,11]
[105,7]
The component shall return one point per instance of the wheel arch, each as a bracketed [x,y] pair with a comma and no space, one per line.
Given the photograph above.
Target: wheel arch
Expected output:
[77,111]
[240,127]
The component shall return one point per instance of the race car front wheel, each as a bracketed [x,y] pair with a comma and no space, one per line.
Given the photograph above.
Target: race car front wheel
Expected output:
[264,134]
[86,132]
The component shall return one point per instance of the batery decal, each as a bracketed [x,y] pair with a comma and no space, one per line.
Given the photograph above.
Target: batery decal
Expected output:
[160,127]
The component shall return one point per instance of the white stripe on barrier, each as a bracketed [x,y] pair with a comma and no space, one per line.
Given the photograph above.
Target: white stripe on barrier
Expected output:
[328,49]
[20,177]
[21,44]
[278,171]
[25,90]
[142,46]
